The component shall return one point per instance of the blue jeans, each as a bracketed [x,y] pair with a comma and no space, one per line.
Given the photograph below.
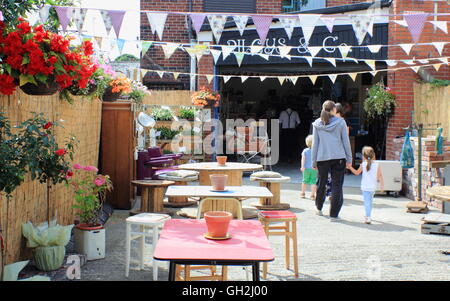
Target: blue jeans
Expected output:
[368,199]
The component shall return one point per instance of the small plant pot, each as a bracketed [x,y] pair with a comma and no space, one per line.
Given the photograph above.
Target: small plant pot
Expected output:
[110,96]
[40,89]
[221,160]
[218,182]
[217,223]
[49,258]
[90,240]
[75,91]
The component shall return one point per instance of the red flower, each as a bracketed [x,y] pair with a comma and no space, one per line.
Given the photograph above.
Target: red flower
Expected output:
[7,85]
[60,152]
[24,28]
[48,125]
[69,174]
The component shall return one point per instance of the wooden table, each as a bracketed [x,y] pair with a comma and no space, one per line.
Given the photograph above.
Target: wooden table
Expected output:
[238,192]
[152,196]
[234,171]
[248,245]
[274,185]
[441,193]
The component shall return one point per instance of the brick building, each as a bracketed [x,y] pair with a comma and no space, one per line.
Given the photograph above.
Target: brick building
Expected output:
[178,29]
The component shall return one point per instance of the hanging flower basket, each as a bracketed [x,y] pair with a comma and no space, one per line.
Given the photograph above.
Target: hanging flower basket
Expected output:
[40,89]
[205,97]
[76,91]
[109,95]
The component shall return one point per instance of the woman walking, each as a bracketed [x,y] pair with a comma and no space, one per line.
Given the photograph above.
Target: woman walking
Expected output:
[331,153]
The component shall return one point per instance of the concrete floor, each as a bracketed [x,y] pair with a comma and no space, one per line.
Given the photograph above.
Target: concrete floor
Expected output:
[391,248]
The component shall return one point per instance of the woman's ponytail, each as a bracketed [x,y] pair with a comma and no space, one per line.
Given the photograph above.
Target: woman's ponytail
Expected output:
[325,114]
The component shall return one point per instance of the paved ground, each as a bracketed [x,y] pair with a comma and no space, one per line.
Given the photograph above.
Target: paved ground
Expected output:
[392,248]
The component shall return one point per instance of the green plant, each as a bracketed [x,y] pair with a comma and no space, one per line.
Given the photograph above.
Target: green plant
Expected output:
[436,83]
[126,58]
[161,114]
[187,113]
[139,91]
[380,102]
[166,133]
[90,190]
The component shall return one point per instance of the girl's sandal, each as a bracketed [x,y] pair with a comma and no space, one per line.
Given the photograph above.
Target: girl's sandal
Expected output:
[302,194]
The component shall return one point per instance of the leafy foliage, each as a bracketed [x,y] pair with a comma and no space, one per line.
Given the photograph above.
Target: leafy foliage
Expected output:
[138,92]
[126,58]
[380,102]
[166,133]
[161,114]
[187,113]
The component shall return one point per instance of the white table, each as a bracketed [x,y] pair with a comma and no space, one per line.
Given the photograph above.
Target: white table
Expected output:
[238,192]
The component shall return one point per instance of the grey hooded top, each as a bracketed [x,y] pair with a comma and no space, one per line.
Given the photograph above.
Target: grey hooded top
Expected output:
[330,141]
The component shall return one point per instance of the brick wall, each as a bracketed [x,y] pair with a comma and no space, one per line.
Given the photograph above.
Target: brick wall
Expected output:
[401,81]
[268,6]
[331,3]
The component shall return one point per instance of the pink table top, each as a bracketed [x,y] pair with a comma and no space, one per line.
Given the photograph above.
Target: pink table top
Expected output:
[183,240]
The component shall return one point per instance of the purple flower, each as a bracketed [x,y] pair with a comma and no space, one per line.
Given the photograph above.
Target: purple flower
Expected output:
[77,166]
[99,181]
[90,168]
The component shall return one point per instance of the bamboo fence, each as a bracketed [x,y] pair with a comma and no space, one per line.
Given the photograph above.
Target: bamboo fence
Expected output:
[432,105]
[169,98]
[29,202]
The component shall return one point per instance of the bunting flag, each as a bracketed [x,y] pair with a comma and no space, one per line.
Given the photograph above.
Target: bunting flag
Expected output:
[227,50]
[106,20]
[409,62]
[406,47]
[371,64]
[423,61]
[120,44]
[281,79]
[331,60]
[217,23]
[293,79]
[254,49]
[332,77]
[362,24]
[401,22]
[216,54]
[309,59]
[353,76]
[314,50]
[175,75]
[157,22]
[99,41]
[239,57]
[344,49]
[444,60]
[262,24]
[143,73]
[44,13]
[308,23]
[64,15]
[169,49]
[437,66]
[439,46]
[243,78]
[209,78]
[313,79]
[79,15]
[391,63]
[442,25]
[329,22]
[226,78]
[374,48]
[288,24]
[116,18]
[374,73]
[415,68]
[262,78]
[197,20]
[264,56]
[415,24]
[145,46]
[284,50]
[160,73]
[241,23]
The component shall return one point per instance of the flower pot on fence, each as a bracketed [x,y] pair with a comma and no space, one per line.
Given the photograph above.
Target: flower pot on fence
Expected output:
[109,95]
[76,91]
[49,258]
[218,182]
[221,160]
[40,89]
[217,223]
[90,240]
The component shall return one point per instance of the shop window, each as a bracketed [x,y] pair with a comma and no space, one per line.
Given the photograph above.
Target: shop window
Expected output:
[302,5]
[239,6]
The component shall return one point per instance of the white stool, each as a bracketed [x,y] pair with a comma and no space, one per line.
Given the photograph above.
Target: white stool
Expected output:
[145,221]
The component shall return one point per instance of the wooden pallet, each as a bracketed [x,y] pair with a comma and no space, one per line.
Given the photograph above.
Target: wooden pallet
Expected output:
[436,223]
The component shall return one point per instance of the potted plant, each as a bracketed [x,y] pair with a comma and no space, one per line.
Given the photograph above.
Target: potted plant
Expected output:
[42,62]
[205,97]
[165,133]
[138,92]
[161,114]
[90,190]
[117,86]
[187,113]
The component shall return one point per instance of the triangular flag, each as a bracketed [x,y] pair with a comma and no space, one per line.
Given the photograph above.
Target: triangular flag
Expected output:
[374,73]
[262,24]
[353,76]
[344,49]
[314,50]
[262,78]
[374,48]
[362,24]
[415,24]
[329,22]
[442,25]
[423,61]
[209,78]
[175,75]
[106,20]
[241,22]
[217,23]
[143,73]
[437,66]
[120,44]
[308,23]
[79,16]
[243,78]
[157,22]
[313,79]
[415,68]
[288,24]
[264,56]
[309,59]
[160,73]
[226,78]
[44,13]
[284,50]
[64,15]
[254,49]
[99,41]
[191,51]
[439,46]
[169,49]
[391,63]
[226,51]
[371,64]
[333,77]
[197,20]
[116,17]
[331,60]
[145,46]
[444,60]
[293,79]
[409,62]
[281,79]
[406,47]
[216,54]
[401,22]
[239,57]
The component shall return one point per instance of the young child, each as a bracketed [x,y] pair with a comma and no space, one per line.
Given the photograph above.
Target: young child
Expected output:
[370,178]
[309,173]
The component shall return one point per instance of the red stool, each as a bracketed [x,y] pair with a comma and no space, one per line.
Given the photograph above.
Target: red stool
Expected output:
[289,231]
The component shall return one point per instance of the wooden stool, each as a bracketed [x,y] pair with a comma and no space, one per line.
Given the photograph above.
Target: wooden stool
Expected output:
[152,196]
[289,232]
[274,185]
[178,201]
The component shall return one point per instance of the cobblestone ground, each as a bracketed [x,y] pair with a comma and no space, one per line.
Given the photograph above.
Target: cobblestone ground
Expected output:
[391,248]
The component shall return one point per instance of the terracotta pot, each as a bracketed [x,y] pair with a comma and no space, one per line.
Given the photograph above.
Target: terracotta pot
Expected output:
[89,227]
[218,182]
[221,160]
[217,223]
[41,89]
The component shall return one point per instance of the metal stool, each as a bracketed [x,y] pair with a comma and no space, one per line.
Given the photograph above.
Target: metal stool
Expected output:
[289,231]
